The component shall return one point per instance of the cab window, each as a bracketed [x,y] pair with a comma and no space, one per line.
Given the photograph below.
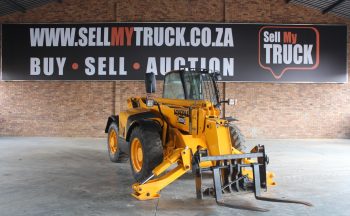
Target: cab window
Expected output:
[173,88]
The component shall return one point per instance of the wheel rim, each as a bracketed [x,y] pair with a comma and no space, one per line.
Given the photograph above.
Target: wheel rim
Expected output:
[113,141]
[136,154]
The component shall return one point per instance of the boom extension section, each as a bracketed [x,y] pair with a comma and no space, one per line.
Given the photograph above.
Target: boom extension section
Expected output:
[149,189]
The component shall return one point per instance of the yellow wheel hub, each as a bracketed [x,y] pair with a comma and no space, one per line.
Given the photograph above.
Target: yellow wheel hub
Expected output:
[113,141]
[136,154]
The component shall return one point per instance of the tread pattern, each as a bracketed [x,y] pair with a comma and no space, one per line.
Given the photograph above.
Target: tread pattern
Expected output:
[237,138]
[118,156]
[152,149]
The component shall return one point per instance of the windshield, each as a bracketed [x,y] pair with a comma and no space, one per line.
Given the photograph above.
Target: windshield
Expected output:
[200,86]
[191,85]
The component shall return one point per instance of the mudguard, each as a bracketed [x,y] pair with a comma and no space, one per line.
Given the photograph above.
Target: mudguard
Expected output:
[111,119]
[134,121]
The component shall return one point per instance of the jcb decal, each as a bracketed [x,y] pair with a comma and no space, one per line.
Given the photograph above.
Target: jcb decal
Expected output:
[182,113]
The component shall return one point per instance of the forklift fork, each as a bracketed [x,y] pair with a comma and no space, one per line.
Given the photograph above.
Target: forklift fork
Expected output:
[258,171]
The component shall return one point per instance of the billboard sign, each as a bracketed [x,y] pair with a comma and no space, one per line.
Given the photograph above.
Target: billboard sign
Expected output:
[126,51]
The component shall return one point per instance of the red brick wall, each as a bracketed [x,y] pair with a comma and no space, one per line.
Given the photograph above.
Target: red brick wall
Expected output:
[265,110]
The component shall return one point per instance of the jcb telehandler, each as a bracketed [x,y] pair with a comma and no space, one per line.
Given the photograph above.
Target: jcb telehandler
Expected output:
[184,128]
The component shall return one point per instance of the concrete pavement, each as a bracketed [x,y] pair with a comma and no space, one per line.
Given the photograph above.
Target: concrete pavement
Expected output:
[73,176]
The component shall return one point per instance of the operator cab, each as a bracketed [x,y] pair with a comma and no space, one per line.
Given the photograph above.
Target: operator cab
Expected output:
[192,84]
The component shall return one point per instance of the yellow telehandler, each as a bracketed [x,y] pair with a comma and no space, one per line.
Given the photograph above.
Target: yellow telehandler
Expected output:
[184,128]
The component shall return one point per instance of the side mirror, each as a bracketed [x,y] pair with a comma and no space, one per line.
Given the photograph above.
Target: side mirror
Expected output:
[217,76]
[150,82]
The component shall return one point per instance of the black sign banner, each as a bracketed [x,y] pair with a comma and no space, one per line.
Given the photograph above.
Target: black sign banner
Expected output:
[126,51]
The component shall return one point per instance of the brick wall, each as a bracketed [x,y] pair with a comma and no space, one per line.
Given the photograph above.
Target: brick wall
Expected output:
[81,108]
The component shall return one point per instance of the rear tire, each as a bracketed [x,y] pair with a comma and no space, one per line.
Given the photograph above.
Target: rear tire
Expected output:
[114,152]
[146,151]
[237,138]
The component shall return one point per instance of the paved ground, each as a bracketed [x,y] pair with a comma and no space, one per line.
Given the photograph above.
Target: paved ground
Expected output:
[70,176]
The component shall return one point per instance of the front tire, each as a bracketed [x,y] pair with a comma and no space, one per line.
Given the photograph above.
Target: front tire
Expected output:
[146,151]
[237,138]
[112,143]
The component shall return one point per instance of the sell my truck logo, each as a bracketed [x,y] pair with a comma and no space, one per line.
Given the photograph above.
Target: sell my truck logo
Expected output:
[288,48]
